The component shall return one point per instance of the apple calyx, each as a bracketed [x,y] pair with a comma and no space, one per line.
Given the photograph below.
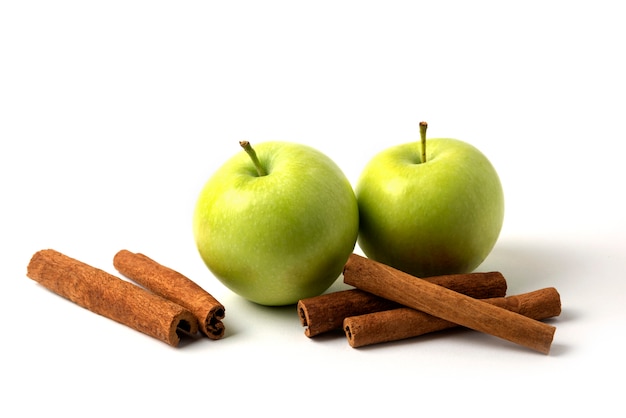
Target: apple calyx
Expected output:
[255,160]
[423,127]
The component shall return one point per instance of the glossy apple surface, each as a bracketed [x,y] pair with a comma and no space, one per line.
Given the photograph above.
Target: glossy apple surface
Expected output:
[440,216]
[280,237]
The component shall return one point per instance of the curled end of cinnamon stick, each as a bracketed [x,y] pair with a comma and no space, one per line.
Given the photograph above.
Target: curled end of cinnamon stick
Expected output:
[183,324]
[213,327]
[303,314]
[348,330]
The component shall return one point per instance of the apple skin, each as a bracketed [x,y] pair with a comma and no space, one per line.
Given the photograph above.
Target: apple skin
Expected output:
[282,237]
[443,216]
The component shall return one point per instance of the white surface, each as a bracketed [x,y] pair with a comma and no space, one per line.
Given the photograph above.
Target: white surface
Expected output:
[112,116]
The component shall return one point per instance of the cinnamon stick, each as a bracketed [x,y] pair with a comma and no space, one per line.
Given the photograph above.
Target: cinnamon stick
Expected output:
[402,323]
[419,294]
[111,297]
[326,312]
[176,287]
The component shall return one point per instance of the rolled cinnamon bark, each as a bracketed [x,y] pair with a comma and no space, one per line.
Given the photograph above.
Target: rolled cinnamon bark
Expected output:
[320,314]
[402,323]
[176,287]
[326,312]
[400,287]
[111,297]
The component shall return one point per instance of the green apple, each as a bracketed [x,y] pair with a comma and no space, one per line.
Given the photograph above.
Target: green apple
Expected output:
[277,223]
[430,207]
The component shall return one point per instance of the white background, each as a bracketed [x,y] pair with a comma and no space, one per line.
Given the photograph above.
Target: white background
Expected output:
[114,114]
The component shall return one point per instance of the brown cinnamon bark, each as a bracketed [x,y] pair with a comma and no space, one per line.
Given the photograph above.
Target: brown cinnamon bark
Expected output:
[419,294]
[111,297]
[402,323]
[320,314]
[326,312]
[176,287]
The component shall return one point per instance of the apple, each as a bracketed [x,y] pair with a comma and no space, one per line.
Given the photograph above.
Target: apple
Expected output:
[430,207]
[276,223]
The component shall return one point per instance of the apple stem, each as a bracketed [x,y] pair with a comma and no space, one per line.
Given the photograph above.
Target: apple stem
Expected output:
[423,127]
[248,148]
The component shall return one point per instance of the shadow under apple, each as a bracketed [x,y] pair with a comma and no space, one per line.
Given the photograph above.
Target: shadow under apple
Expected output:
[244,316]
[527,267]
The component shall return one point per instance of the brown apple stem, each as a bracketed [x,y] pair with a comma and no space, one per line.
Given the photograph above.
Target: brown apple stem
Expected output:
[248,148]
[423,127]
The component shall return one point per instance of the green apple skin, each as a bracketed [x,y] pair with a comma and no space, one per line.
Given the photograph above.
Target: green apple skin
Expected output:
[282,237]
[443,216]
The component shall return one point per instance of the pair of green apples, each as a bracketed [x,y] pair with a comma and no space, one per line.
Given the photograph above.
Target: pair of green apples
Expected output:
[277,223]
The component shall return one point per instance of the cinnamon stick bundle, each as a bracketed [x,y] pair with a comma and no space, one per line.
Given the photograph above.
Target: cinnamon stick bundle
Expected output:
[326,312]
[419,294]
[111,297]
[402,323]
[176,287]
